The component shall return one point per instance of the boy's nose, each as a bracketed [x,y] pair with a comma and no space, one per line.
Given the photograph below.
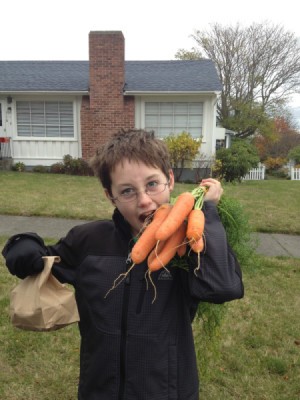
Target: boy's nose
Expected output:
[143,197]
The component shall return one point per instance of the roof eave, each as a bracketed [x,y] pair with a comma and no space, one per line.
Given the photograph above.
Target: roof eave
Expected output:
[56,92]
[156,92]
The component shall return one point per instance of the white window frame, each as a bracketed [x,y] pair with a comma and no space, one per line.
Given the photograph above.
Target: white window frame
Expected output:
[43,120]
[174,117]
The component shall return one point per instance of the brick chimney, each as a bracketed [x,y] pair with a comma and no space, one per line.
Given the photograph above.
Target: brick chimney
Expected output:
[106,110]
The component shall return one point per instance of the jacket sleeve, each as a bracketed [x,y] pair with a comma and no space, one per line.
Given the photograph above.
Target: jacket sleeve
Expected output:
[23,256]
[218,278]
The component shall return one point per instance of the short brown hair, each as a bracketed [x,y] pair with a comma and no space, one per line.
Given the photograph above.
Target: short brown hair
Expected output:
[134,145]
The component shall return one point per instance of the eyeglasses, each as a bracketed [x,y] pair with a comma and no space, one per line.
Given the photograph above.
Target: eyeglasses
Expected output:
[152,188]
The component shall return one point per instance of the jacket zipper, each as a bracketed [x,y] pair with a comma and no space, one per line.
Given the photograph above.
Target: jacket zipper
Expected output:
[124,332]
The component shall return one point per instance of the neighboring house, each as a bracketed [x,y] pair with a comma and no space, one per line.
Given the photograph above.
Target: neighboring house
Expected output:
[52,108]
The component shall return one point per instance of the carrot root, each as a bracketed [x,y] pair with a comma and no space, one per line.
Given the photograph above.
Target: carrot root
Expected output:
[154,287]
[119,279]
[198,265]
[198,247]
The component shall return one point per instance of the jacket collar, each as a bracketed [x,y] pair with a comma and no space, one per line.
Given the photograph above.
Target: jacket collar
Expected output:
[121,224]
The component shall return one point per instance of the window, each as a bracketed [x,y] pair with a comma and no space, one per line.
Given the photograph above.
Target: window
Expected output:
[45,119]
[220,143]
[166,118]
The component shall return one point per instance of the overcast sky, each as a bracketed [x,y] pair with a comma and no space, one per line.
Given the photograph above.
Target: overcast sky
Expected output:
[153,30]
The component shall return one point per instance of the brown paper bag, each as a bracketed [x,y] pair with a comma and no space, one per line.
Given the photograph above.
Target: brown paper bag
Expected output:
[42,303]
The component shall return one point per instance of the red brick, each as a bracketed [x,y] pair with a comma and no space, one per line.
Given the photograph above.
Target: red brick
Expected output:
[105,110]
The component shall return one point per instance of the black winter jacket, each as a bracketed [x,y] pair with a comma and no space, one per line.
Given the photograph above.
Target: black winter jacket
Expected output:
[134,348]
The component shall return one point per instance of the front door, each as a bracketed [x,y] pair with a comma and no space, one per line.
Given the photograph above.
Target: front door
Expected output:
[5,150]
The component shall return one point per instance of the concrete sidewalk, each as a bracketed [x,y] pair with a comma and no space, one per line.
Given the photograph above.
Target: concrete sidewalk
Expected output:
[271,245]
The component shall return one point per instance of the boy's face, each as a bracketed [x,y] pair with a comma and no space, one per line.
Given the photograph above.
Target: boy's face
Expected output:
[130,177]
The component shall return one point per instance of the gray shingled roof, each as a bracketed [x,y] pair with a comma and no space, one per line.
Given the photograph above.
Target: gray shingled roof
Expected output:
[140,76]
[31,76]
[171,76]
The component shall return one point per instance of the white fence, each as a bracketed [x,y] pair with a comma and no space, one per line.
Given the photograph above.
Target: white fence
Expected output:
[256,174]
[295,174]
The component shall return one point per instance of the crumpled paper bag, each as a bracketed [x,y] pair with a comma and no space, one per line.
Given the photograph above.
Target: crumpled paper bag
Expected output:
[42,303]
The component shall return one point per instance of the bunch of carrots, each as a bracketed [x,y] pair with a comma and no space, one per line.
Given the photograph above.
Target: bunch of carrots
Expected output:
[171,229]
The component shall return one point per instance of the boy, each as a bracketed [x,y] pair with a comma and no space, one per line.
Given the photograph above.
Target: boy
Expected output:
[133,348]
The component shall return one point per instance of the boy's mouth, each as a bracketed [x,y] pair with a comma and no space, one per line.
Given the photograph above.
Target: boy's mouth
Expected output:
[146,216]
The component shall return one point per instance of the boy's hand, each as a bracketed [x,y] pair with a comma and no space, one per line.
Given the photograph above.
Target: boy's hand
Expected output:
[215,190]
[23,254]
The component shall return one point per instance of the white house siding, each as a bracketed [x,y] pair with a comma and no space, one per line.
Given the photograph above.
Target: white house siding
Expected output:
[39,150]
[209,129]
[46,152]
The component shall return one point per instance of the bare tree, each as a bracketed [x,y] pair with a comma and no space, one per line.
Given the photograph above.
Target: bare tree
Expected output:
[193,54]
[259,67]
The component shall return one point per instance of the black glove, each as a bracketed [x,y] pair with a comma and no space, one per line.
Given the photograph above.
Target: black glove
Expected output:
[23,254]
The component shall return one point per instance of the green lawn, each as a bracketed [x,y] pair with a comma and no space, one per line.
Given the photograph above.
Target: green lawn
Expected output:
[272,205]
[259,352]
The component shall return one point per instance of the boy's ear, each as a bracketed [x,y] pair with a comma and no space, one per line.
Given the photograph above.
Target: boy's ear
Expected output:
[171,180]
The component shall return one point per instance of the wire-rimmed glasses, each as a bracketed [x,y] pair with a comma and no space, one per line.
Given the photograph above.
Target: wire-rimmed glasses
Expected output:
[152,188]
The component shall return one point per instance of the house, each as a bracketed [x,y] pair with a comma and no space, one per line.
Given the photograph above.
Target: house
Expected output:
[52,108]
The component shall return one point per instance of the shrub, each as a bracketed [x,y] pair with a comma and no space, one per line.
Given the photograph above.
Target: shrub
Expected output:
[40,169]
[19,166]
[83,168]
[72,166]
[183,150]
[294,154]
[234,163]
[274,163]
[57,168]
[279,173]
[76,166]
[275,167]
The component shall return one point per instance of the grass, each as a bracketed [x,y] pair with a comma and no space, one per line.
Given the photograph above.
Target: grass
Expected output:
[272,205]
[257,355]
[259,347]
[65,196]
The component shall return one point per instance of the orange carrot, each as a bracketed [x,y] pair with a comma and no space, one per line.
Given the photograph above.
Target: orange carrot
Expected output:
[167,251]
[195,225]
[198,245]
[147,240]
[181,209]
